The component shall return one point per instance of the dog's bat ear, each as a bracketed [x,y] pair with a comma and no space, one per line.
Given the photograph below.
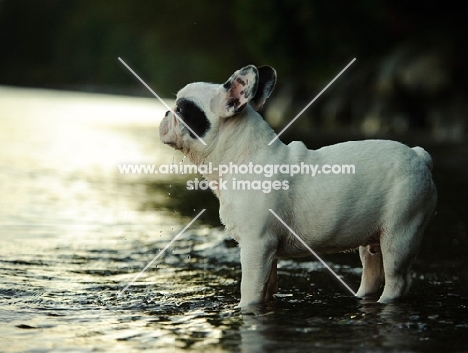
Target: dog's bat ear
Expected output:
[266,84]
[238,91]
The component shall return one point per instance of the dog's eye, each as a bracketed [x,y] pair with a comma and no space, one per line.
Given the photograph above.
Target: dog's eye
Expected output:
[178,110]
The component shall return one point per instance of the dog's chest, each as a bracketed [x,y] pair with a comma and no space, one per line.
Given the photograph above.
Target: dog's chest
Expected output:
[226,210]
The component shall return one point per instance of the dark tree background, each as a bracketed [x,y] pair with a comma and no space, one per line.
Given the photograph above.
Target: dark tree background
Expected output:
[410,54]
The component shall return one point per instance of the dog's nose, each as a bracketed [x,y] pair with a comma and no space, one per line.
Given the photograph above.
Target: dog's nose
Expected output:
[167,113]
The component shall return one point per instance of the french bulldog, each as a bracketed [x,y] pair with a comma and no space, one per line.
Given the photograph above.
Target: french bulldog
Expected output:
[381,209]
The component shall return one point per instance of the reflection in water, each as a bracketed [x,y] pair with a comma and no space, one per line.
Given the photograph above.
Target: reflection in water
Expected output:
[74,232]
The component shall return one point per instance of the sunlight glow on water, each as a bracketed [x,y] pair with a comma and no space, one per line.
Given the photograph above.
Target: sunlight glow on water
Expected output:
[52,143]
[70,130]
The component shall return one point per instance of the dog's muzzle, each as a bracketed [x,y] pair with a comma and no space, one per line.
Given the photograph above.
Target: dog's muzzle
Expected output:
[167,130]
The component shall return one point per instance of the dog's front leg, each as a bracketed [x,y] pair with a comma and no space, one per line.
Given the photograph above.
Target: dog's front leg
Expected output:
[257,260]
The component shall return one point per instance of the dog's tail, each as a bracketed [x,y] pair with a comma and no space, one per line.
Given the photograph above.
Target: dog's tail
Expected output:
[426,157]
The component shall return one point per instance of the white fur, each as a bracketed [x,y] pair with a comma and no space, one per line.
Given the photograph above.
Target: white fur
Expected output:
[382,209]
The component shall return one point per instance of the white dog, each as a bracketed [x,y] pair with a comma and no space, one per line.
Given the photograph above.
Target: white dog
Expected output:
[382,208]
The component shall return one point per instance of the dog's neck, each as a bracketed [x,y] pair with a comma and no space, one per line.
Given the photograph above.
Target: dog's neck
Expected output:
[238,142]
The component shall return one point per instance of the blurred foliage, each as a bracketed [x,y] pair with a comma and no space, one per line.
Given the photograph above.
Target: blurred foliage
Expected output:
[76,43]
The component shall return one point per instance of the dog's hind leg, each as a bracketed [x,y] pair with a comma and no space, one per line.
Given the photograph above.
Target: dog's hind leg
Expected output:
[272,285]
[372,270]
[399,249]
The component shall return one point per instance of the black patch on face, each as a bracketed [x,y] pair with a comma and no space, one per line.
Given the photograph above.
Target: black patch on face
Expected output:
[193,116]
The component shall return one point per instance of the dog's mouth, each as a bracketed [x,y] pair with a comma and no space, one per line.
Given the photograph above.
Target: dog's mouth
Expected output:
[173,145]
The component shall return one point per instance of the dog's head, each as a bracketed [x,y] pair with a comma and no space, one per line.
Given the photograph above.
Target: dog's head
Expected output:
[193,125]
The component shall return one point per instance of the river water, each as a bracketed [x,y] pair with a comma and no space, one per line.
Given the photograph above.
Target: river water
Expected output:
[74,232]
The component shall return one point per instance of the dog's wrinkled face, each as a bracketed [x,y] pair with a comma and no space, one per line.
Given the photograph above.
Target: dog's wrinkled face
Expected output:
[200,106]
[193,111]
